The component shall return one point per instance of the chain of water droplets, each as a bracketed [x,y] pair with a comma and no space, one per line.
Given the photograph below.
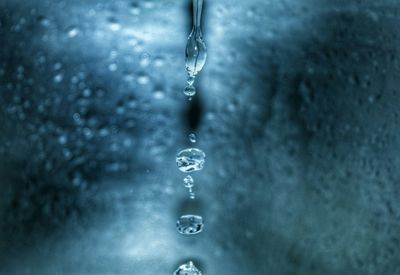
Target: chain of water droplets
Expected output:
[192,159]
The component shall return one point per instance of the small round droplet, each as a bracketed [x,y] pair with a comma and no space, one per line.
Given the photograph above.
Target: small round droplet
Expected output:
[187,269]
[188,181]
[143,79]
[113,67]
[192,138]
[145,60]
[58,78]
[190,159]
[190,224]
[114,25]
[192,195]
[189,90]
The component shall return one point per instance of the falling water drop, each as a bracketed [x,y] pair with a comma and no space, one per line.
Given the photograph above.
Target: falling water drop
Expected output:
[196,50]
[192,138]
[189,90]
[187,269]
[190,159]
[190,224]
[188,181]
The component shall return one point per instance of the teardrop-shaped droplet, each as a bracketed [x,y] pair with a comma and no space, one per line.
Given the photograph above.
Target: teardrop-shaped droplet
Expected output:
[196,52]
[190,224]
[192,138]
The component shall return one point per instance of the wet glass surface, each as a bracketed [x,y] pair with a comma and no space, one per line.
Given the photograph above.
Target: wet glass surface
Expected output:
[297,109]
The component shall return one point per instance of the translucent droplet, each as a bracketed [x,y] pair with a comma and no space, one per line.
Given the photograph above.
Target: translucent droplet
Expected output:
[187,269]
[158,94]
[134,9]
[113,67]
[143,79]
[192,138]
[62,140]
[192,195]
[58,78]
[190,224]
[189,90]
[190,159]
[196,50]
[114,25]
[72,32]
[188,181]
[144,60]
[87,92]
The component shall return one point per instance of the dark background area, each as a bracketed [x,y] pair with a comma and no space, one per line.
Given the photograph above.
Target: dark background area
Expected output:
[297,110]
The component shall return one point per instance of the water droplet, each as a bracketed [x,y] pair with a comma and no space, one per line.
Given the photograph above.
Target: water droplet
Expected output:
[192,138]
[72,32]
[148,4]
[187,269]
[159,94]
[159,62]
[190,159]
[144,60]
[192,195]
[57,66]
[114,25]
[44,21]
[190,224]
[134,9]
[62,140]
[189,90]
[196,53]
[196,50]
[113,67]
[76,117]
[143,79]
[188,181]
[58,78]
[87,92]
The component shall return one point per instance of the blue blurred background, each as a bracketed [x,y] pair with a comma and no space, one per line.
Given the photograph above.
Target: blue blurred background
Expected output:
[297,110]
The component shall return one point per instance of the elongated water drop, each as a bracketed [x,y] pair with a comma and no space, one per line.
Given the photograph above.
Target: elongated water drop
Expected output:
[196,50]
[192,138]
[190,159]
[190,224]
[187,269]
[188,181]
